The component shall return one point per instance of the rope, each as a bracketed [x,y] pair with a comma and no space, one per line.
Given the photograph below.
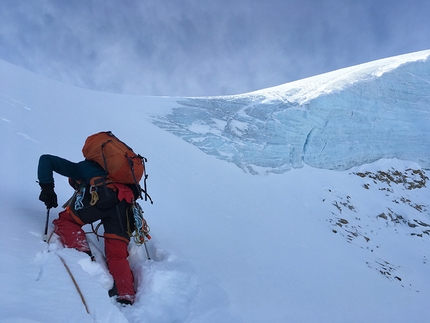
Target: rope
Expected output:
[71,276]
[141,231]
[79,199]
[50,237]
[75,283]
[96,231]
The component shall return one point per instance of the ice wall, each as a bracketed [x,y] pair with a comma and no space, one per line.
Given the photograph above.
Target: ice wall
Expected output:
[372,115]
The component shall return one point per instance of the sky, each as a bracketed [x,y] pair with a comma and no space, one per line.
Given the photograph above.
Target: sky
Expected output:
[201,48]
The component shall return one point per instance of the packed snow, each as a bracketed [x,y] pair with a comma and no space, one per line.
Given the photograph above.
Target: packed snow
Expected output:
[251,222]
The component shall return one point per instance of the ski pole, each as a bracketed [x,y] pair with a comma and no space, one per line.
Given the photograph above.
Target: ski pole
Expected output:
[45,236]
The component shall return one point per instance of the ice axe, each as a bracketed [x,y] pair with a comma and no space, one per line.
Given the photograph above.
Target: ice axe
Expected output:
[45,235]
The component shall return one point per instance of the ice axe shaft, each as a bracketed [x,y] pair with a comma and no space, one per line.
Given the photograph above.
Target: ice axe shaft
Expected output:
[45,235]
[146,249]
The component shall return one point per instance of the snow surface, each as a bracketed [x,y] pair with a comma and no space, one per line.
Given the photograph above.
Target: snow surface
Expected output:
[307,245]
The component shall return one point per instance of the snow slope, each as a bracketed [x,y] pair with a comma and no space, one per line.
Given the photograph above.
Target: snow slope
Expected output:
[307,245]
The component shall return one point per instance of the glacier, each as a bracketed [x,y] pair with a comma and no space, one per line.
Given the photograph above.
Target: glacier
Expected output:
[334,121]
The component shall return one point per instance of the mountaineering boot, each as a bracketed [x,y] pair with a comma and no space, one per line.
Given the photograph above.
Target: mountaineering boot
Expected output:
[89,253]
[124,299]
[113,292]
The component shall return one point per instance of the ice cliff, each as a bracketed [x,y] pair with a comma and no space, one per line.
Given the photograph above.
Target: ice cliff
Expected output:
[337,120]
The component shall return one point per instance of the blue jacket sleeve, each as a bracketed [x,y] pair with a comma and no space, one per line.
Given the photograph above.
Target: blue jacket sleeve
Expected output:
[48,164]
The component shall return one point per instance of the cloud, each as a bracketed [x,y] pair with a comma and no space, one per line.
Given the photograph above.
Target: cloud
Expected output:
[190,47]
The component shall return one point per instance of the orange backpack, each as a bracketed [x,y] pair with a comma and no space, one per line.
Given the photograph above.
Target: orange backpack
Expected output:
[119,161]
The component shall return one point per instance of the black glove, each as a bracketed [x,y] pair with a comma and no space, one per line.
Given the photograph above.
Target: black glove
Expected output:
[48,195]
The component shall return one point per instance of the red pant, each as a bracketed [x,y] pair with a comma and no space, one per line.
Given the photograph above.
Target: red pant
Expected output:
[72,236]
